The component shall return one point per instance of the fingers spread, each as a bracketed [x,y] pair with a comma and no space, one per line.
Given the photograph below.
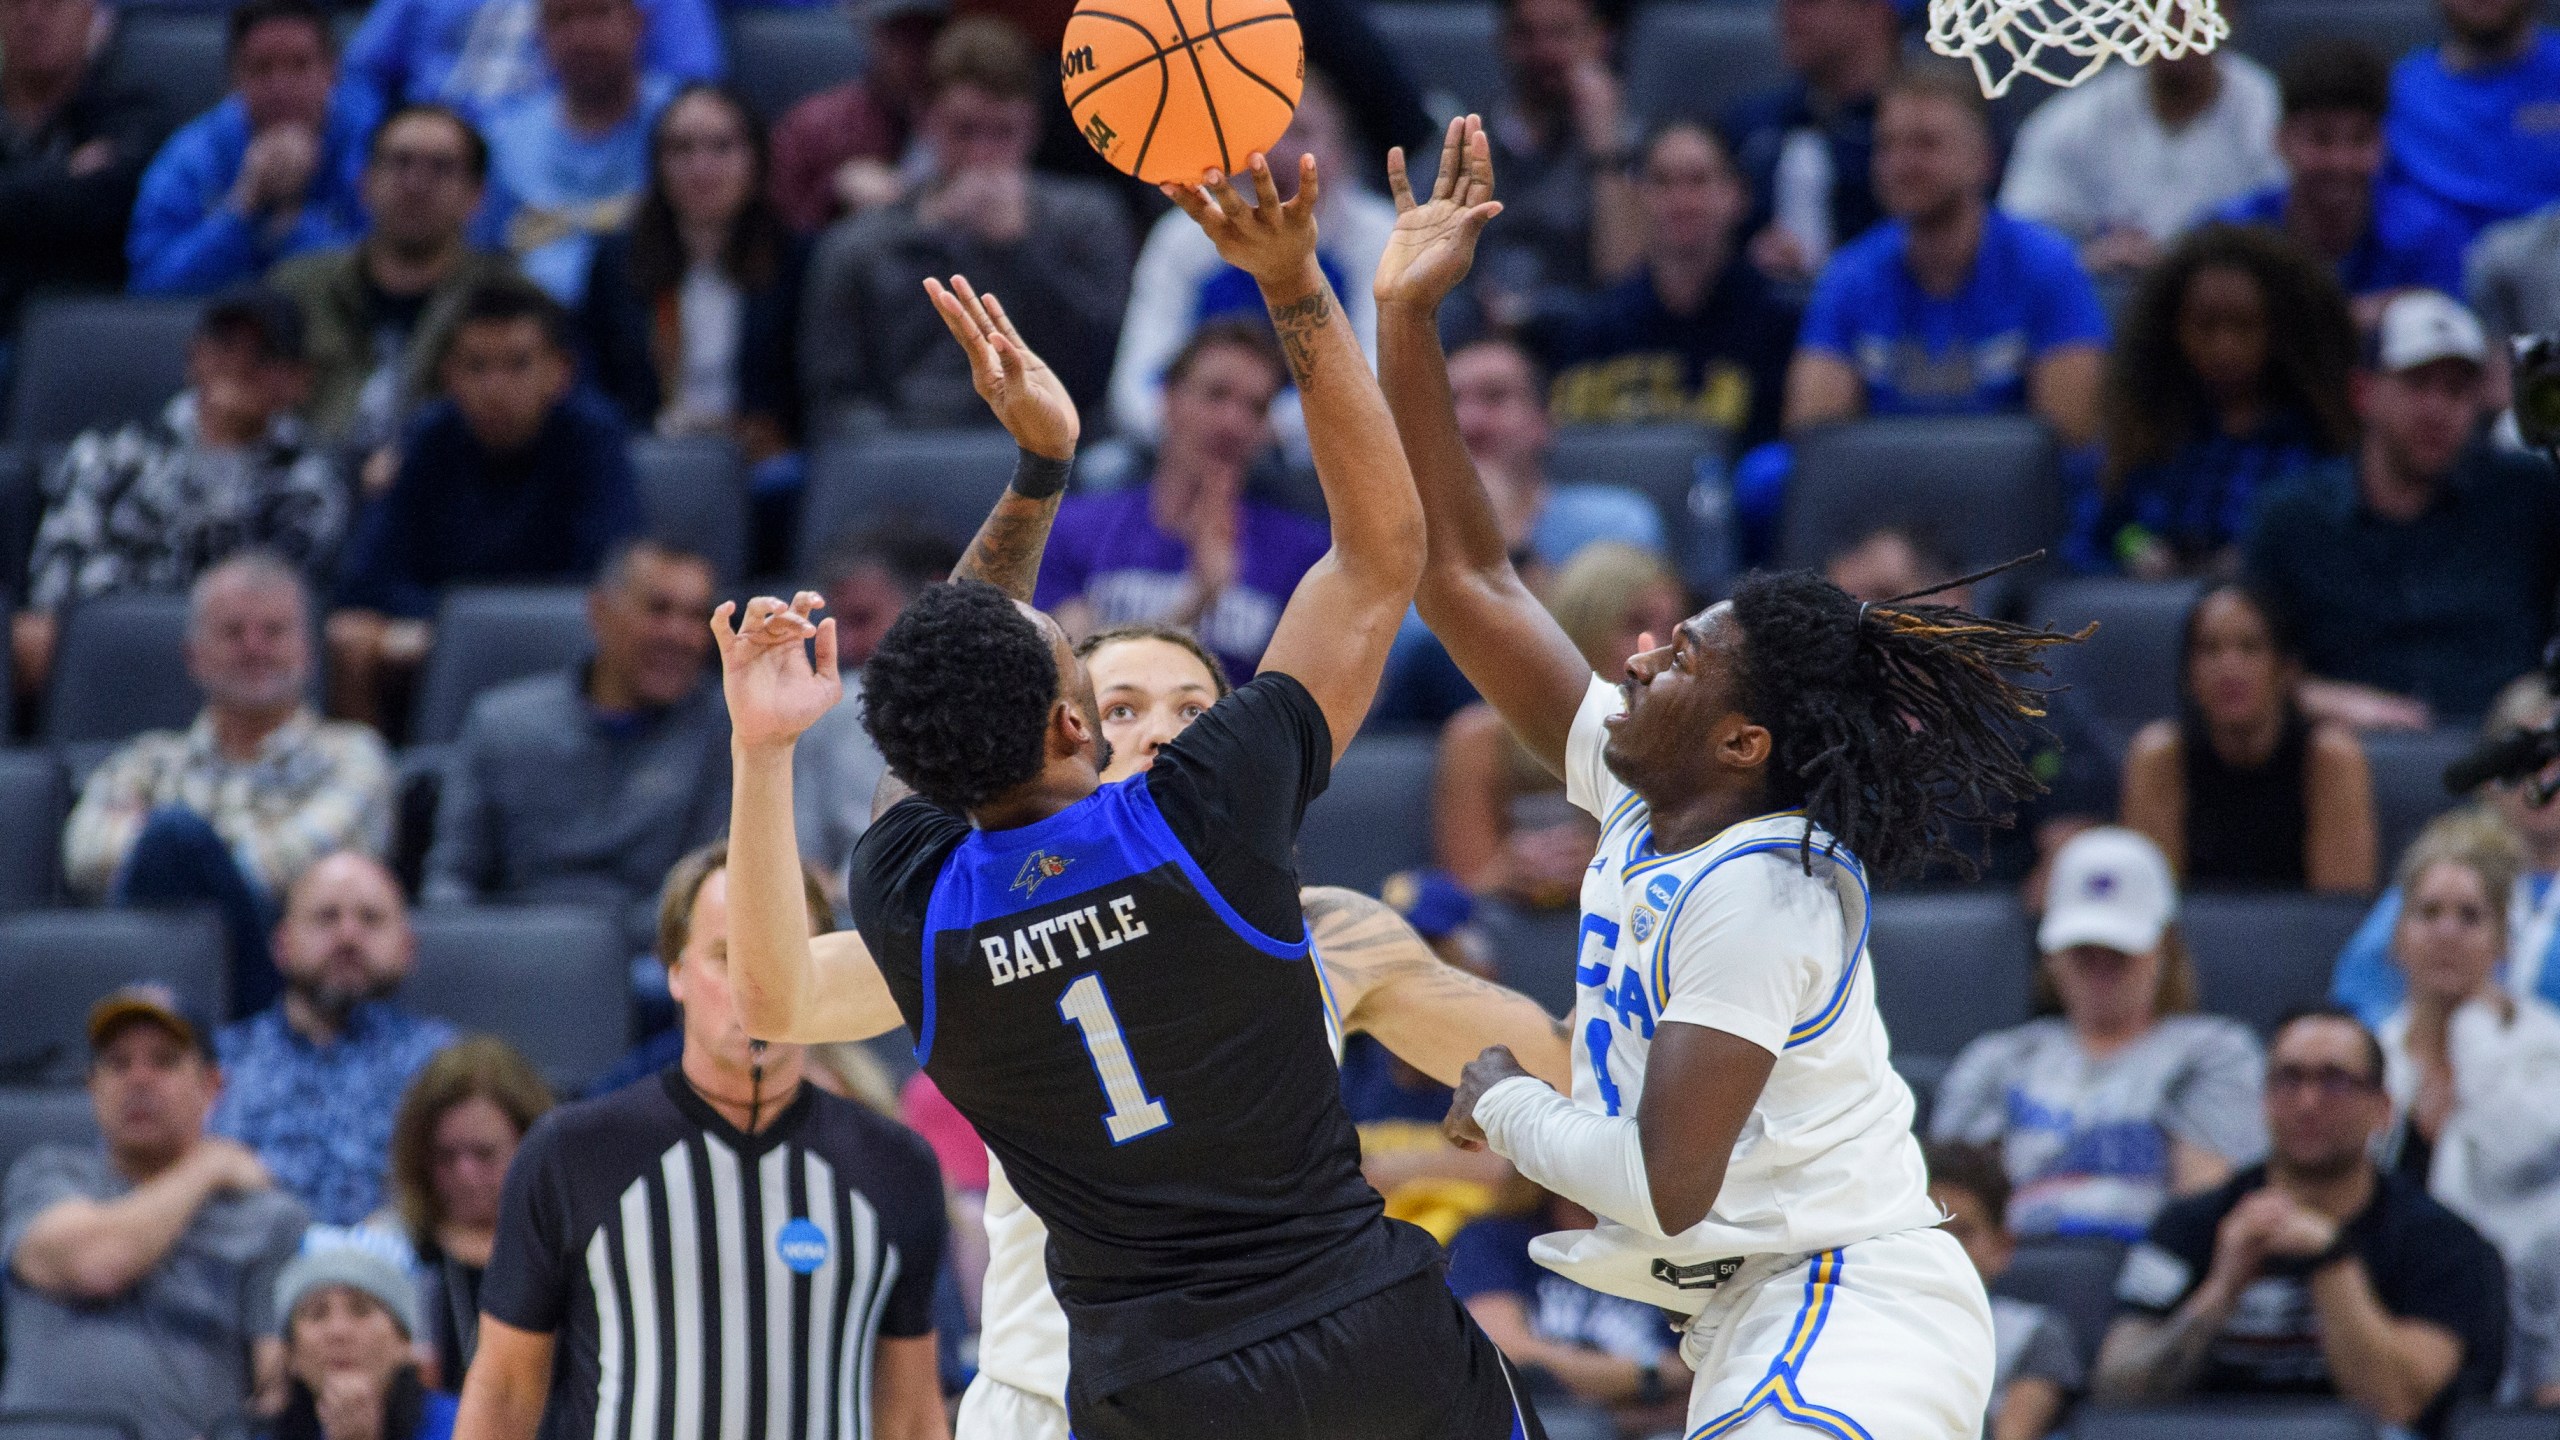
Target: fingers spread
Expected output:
[1444,184]
[1266,191]
[1222,192]
[1308,190]
[969,302]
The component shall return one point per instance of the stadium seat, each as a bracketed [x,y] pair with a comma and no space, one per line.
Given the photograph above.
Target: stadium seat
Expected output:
[2408,783]
[1987,488]
[1658,461]
[63,1425]
[42,1115]
[119,669]
[694,493]
[2260,955]
[2074,1278]
[2272,31]
[1451,52]
[177,52]
[946,479]
[2128,671]
[487,636]
[1949,966]
[1374,818]
[32,807]
[98,360]
[2505,1425]
[22,471]
[1695,60]
[1534,951]
[555,982]
[779,57]
[55,964]
[2231,1420]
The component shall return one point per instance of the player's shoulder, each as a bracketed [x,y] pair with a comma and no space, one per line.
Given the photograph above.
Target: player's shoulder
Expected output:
[897,859]
[1274,707]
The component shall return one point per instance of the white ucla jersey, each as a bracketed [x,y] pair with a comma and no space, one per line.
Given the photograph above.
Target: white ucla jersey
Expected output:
[1734,935]
[1022,1337]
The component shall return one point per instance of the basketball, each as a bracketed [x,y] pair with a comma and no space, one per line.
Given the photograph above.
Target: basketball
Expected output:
[1170,88]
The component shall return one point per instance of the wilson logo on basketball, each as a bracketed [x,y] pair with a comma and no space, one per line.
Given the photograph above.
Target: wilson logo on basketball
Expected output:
[1078,61]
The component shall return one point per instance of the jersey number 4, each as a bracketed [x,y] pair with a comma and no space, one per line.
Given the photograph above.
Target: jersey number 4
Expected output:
[1133,1113]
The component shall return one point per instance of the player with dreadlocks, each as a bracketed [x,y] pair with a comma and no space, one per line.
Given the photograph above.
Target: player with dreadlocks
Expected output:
[1735,1118]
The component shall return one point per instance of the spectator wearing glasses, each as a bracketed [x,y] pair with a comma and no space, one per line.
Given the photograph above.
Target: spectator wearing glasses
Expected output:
[2318,1274]
[2473,1065]
[377,312]
[2370,984]
[271,172]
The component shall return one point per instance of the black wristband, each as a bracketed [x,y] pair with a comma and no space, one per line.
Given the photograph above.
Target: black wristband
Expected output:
[1037,477]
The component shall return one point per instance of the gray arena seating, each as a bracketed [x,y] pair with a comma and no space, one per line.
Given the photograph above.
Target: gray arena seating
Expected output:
[1534,951]
[778,57]
[553,981]
[1374,817]
[43,1115]
[2271,32]
[946,479]
[120,668]
[2226,1421]
[694,493]
[1694,60]
[97,360]
[2408,783]
[33,802]
[487,636]
[63,1425]
[55,964]
[1948,967]
[1452,53]
[2076,1278]
[1658,461]
[2506,1425]
[176,51]
[2258,956]
[2127,673]
[1987,488]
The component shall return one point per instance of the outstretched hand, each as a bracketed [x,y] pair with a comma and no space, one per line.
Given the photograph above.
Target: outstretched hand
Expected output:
[1273,242]
[1017,384]
[1487,1070]
[1434,242]
[775,687]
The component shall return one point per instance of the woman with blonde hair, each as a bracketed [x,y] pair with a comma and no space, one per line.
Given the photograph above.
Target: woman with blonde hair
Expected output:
[2472,1068]
[2124,1099]
[458,1128]
[1499,822]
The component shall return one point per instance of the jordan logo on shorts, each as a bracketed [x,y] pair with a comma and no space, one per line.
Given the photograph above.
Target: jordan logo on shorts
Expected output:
[1705,1275]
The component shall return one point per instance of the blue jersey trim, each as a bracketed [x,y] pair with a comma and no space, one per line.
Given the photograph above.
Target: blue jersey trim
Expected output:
[1644,841]
[1779,1388]
[1821,1021]
[1152,823]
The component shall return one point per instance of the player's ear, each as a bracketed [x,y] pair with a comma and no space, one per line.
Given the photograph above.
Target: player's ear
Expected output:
[1743,744]
[1068,734]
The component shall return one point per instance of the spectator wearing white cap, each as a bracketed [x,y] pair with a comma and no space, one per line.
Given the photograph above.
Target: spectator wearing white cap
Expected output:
[350,1316]
[2419,574]
[2124,1099]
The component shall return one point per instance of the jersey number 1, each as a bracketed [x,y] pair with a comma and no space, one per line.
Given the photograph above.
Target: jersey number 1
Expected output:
[1132,1114]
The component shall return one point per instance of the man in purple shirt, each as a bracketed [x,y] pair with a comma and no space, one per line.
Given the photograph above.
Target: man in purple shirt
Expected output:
[1189,547]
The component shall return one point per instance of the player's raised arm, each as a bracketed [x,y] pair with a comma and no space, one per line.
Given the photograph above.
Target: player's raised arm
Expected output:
[1430,1014]
[1509,646]
[790,986]
[1333,637]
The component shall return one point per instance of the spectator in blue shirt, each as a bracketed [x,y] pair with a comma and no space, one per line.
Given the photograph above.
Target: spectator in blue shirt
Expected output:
[313,1083]
[478,55]
[568,165]
[1952,308]
[1696,333]
[2420,574]
[517,475]
[2230,376]
[2337,94]
[2475,121]
[1807,148]
[269,173]
[2367,981]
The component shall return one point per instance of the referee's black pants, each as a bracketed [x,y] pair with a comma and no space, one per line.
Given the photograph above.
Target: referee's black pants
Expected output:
[1407,1363]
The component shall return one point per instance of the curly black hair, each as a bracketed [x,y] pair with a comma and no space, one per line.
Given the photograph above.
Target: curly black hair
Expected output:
[1894,726]
[958,694]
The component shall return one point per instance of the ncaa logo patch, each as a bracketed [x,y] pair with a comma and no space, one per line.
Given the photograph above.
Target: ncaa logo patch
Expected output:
[802,1246]
[1660,891]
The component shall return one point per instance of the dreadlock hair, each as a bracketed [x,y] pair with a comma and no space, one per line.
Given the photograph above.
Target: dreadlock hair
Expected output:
[1891,725]
[957,696]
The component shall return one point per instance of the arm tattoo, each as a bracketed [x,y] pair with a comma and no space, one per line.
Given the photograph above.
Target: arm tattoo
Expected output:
[1298,321]
[1006,551]
[2161,1362]
[1364,944]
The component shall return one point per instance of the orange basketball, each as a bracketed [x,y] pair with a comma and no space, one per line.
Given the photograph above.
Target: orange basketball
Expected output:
[1166,89]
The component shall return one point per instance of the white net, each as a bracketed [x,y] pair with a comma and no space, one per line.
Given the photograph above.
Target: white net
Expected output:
[2063,42]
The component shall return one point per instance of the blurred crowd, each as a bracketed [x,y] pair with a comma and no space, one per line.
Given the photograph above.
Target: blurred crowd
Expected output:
[454,265]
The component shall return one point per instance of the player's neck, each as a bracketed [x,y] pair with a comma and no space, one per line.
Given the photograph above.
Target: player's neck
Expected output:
[1051,791]
[1687,823]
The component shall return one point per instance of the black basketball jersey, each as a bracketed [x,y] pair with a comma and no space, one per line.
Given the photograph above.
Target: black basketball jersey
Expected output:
[1121,999]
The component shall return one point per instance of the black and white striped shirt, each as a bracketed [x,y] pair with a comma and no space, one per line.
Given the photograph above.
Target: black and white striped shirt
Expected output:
[703,1284]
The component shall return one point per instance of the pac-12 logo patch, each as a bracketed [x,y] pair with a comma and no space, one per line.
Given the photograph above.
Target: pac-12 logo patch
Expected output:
[1641,923]
[1038,869]
[802,1246]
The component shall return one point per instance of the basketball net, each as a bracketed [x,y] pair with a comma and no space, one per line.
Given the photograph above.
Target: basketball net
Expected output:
[2063,42]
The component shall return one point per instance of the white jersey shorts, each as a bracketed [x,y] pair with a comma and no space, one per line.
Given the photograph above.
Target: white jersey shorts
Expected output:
[992,1410]
[1886,1339]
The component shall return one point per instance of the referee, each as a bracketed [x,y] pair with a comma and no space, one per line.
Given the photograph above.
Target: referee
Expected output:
[720,1252]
